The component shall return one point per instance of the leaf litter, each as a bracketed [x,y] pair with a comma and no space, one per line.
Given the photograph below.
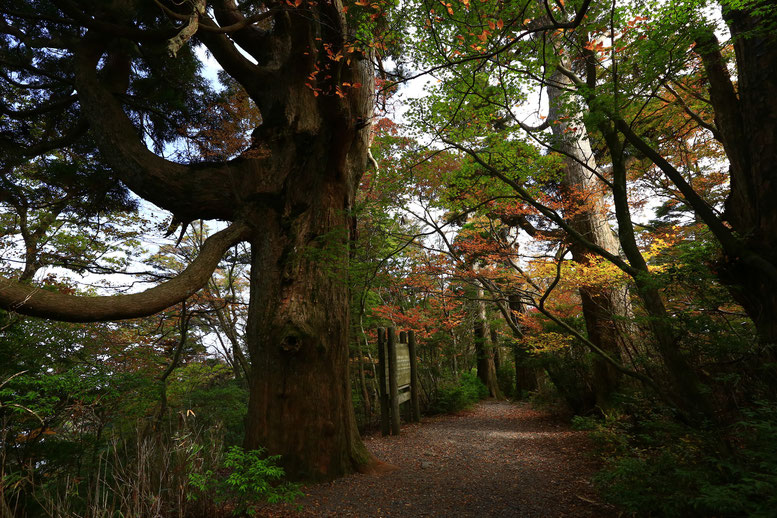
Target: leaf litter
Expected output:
[498,459]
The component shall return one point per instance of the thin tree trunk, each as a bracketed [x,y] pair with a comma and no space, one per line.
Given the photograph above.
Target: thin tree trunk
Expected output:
[685,386]
[362,378]
[483,350]
[525,375]
[497,350]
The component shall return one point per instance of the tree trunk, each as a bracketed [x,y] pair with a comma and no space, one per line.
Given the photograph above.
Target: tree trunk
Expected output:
[685,388]
[297,333]
[289,195]
[587,214]
[298,319]
[525,374]
[362,377]
[497,350]
[746,116]
[483,349]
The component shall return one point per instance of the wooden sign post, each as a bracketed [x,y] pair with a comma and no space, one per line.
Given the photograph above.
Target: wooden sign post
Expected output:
[398,377]
[414,404]
[392,377]
[383,382]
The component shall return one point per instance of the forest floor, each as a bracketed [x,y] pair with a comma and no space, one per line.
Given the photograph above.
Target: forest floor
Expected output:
[498,459]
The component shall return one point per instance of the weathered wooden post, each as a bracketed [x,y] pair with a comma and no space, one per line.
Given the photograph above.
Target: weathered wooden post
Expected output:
[402,383]
[382,382]
[392,364]
[414,404]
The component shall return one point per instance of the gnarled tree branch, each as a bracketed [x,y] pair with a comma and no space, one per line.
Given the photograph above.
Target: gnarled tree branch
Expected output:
[197,191]
[34,301]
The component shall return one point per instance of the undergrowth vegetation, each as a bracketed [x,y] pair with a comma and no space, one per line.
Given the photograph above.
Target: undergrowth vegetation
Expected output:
[455,395]
[107,439]
[655,466]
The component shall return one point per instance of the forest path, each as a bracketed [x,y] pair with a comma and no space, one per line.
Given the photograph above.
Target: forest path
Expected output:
[498,459]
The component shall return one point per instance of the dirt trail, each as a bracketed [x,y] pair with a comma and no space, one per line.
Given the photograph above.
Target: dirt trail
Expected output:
[497,460]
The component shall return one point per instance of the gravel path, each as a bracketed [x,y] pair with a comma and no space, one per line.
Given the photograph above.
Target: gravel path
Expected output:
[498,459]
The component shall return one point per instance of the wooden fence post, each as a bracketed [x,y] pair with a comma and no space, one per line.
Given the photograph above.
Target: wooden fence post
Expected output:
[414,404]
[392,363]
[384,397]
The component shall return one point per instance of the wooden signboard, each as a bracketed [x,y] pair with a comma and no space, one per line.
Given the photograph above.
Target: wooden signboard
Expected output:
[398,378]
[403,366]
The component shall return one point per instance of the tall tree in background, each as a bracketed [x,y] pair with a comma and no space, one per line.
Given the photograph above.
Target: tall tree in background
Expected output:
[587,211]
[484,345]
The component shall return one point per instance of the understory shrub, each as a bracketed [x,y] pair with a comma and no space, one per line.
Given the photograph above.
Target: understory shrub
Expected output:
[505,376]
[187,476]
[660,468]
[458,396]
[82,443]
[247,477]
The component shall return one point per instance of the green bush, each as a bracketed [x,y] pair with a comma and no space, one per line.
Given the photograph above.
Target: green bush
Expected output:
[656,468]
[505,376]
[209,390]
[247,477]
[458,396]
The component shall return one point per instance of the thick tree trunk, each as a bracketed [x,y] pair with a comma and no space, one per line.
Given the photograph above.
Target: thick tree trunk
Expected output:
[587,214]
[298,323]
[746,117]
[289,195]
[297,334]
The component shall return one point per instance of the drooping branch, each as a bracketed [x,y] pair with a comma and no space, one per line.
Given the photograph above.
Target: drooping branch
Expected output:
[19,151]
[41,109]
[693,115]
[549,213]
[35,301]
[649,382]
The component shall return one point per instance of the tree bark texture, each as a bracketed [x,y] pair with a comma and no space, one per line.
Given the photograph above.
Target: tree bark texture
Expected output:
[586,212]
[300,402]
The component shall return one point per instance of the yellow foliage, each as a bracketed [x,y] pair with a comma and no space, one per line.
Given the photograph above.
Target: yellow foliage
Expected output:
[548,342]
